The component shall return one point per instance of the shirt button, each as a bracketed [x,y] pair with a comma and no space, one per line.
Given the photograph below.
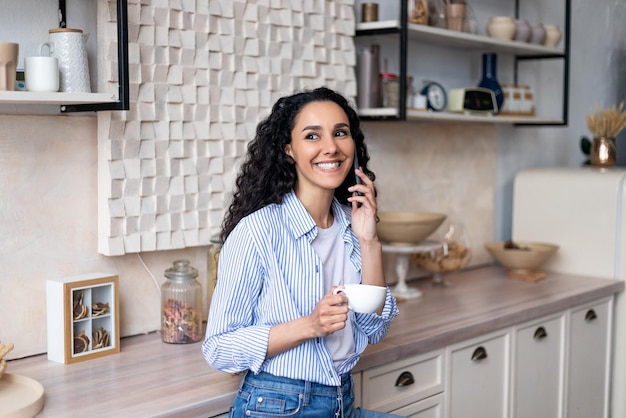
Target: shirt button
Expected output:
[260,399]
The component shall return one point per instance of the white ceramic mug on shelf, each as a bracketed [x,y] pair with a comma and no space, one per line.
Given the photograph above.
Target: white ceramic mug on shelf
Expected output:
[363,298]
[41,74]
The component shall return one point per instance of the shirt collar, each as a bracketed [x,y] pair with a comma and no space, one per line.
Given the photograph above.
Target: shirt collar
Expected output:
[301,221]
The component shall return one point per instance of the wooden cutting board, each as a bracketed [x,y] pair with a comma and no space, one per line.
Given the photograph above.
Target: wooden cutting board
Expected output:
[20,396]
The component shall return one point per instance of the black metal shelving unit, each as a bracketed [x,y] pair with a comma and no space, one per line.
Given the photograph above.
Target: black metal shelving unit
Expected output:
[564,57]
[402,31]
[123,102]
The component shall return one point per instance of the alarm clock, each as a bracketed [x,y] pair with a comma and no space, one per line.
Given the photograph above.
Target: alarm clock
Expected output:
[473,100]
[436,98]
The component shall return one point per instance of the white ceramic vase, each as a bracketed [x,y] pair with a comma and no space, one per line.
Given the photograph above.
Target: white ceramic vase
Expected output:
[69,46]
[553,36]
[501,27]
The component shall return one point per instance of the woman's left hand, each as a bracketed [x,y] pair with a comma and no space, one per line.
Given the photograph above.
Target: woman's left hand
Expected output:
[364,208]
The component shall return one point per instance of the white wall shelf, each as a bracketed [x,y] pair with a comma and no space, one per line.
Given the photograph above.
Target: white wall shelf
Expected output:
[56,98]
[384,113]
[80,102]
[453,39]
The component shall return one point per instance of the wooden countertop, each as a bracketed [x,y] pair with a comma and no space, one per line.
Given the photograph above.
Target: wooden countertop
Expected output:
[149,378]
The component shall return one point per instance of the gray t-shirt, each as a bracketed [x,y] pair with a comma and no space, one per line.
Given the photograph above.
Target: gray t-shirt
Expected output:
[337,270]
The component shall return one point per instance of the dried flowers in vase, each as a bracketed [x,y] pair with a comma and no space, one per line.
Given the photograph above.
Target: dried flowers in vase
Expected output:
[604,126]
[607,122]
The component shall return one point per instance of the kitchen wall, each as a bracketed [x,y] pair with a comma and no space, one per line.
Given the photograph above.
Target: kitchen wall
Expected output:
[418,167]
[48,181]
[597,78]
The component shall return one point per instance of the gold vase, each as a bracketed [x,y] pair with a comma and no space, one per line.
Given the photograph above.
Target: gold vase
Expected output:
[602,152]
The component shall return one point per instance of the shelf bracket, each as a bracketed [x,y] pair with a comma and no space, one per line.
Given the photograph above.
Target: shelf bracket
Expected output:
[62,20]
[404,41]
[566,65]
[123,102]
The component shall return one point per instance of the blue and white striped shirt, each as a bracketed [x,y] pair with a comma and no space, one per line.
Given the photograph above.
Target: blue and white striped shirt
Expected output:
[268,274]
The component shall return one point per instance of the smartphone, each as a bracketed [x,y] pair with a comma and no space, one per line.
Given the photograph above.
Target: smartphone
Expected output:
[356,165]
[357,178]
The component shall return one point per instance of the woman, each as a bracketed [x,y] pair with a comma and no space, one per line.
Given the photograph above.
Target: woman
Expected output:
[298,227]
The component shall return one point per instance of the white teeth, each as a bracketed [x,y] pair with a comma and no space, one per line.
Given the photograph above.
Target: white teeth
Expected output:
[327,166]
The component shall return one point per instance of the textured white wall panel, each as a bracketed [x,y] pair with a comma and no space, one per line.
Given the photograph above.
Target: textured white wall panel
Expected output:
[202,75]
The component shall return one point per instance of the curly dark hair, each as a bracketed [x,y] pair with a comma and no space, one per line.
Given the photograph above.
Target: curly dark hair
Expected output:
[268,173]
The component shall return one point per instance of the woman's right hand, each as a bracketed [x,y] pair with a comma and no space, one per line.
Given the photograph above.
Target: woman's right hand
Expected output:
[330,314]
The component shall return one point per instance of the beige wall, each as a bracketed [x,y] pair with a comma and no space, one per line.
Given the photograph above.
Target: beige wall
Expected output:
[48,212]
[438,168]
[48,182]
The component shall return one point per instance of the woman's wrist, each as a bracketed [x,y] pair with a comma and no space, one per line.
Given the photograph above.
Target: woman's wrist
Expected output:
[373,243]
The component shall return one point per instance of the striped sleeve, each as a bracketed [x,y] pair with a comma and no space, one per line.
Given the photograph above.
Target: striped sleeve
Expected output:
[233,342]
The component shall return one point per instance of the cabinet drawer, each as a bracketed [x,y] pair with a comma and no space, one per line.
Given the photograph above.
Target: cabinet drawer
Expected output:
[357,388]
[403,382]
[428,408]
[589,361]
[479,377]
[538,367]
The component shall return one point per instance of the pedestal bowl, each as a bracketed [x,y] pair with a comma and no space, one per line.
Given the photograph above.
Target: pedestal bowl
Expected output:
[407,228]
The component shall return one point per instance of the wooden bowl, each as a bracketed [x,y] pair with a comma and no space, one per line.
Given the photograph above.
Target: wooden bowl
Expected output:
[407,228]
[526,258]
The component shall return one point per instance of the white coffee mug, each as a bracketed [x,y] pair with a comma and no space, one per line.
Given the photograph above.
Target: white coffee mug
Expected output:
[363,298]
[41,74]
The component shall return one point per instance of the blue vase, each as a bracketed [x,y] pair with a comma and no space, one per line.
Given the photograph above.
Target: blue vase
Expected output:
[489,80]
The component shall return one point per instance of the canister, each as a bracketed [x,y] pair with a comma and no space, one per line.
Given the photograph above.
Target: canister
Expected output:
[212,261]
[369,12]
[69,46]
[391,90]
[368,77]
[8,65]
[181,300]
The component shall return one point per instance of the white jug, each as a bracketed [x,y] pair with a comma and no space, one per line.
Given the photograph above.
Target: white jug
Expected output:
[69,46]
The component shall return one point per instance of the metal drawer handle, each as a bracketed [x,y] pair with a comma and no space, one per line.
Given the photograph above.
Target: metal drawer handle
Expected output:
[405,379]
[540,333]
[479,354]
[590,315]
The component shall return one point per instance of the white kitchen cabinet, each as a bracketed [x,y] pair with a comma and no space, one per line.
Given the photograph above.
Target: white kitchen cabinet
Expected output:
[556,366]
[402,383]
[589,358]
[538,363]
[357,388]
[478,377]
[428,408]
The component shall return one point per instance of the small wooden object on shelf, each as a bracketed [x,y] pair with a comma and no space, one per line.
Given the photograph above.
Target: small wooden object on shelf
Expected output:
[83,317]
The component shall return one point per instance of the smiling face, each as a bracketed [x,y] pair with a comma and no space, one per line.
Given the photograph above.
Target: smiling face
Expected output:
[321,146]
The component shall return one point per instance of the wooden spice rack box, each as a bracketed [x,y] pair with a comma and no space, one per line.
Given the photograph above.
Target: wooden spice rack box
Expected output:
[83,317]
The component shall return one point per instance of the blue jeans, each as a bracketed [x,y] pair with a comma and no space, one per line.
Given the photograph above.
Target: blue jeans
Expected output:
[268,396]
